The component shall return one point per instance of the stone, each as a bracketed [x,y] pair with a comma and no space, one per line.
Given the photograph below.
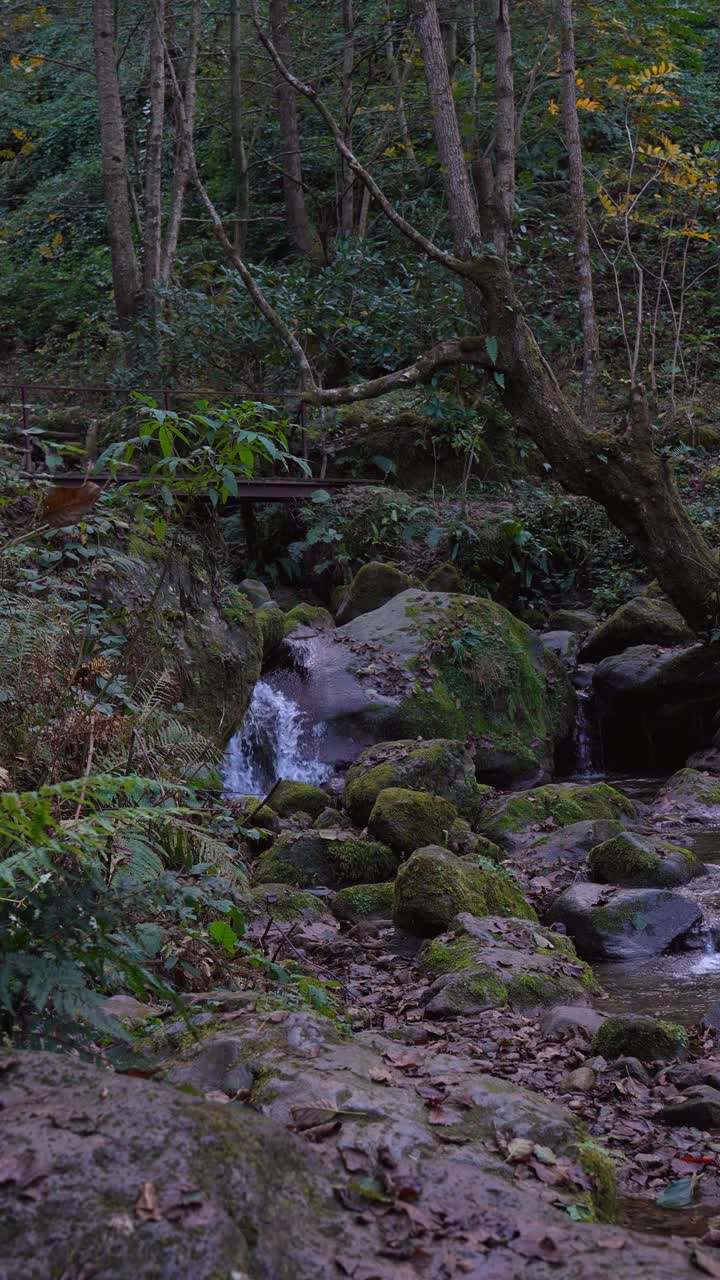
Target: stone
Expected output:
[639,861]
[645,620]
[621,924]
[219,1064]
[691,796]
[442,766]
[564,644]
[638,1036]
[294,797]
[559,804]
[445,577]
[272,624]
[257,593]
[581,1080]
[129,1010]
[283,903]
[578,620]
[331,818]
[700,1108]
[633,1067]
[407,820]
[372,587]
[307,619]
[434,886]
[331,859]
[363,900]
[570,1019]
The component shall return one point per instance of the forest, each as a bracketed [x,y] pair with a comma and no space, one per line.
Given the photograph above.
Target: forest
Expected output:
[359,639]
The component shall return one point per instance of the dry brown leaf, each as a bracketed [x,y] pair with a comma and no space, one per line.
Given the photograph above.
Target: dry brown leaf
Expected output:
[146,1205]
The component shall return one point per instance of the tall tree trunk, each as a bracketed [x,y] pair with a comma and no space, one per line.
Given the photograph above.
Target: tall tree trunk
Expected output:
[240,158]
[125,269]
[152,228]
[347,195]
[181,174]
[583,264]
[302,232]
[505,130]
[397,84]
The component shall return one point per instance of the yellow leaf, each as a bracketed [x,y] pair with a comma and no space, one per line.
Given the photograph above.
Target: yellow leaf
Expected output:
[19,133]
[553,108]
[36,61]
[588,104]
[15,61]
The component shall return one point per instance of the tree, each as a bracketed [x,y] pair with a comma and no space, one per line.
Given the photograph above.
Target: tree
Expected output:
[237,124]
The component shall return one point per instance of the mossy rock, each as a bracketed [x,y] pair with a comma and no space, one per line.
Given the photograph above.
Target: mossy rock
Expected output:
[372,587]
[317,859]
[623,924]
[272,625]
[637,1036]
[482,848]
[601,1169]
[442,766]
[362,900]
[578,620]
[256,592]
[629,859]
[307,615]
[405,820]
[643,620]
[331,818]
[286,905]
[299,797]
[445,577]
[434,886]
[563,803]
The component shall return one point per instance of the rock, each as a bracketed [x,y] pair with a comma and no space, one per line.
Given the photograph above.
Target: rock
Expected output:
[294,797]
[489,962]
[692,796]
[332,818]
[700,1108]
[307,618]
[445,577]
[219,1065]
[440,765]
[637,1036]
[372,587]
[633,1067]
[128,1010]
[657,704]
[256,592]
[137,1180]
[631,859]
[559,804]
[363,900]
[623,923]
[272,625]
[711,1017]
[285,904]
[644,620]
[571,1019]
[564,644]
[577,620]
[567,848]
[581,1080]
[472,652]
[325,858]
[407,820]
[434,886]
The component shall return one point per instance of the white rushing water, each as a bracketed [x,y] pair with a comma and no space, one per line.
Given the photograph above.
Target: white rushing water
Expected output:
[276,741]
[583,734]
[709,961]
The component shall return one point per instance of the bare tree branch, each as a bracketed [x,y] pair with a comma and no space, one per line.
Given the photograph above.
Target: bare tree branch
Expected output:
[454,351]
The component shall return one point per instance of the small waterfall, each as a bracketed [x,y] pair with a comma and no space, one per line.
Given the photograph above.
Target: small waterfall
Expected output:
[276,741]
[710,960]
[584,737]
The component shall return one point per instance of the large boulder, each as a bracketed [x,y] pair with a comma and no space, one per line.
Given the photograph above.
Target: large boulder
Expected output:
[490,962]
[440,765]
[637,1036]
[643,620]
[405,820]
[332,859]
[657,705]
[299,797]
[690,796]
[642,862]
[434,886]
[578,620]
[623,924]
[560,804]
[372,587]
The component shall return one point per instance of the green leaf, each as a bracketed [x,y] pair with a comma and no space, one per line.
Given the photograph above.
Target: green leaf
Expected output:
[230,482]
[679,1194]
[225,936]
[491,346]
[579,1212]
[500,379]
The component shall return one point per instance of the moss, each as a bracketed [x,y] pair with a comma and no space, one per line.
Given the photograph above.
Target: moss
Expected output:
[434,886]
[633,1036]
[481,987]
[564,803]
[295,797]
[599,1166]
[444,577]
[307,615]
[363,789]
[628,860]
[284,905]
[439,956]
[406,820]
[364,900]
[313,860]
[373,585]
[486,849]
[272,625]
[533,990]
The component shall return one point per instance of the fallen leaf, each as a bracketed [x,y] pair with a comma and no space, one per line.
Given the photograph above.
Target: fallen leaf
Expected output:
[520,1149]
[146,1205]
[310,1117]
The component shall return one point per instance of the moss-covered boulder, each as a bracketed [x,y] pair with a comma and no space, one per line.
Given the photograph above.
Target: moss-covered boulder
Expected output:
[311,616]
[257,592]
[577,620]
[434,886]
[362,900]
[491,962]
[623,924]
[285,904]
[272,625]
[643,620]
[331,818]
[630,859]
[372,586]
[405,820]
[317,859]
[637,1036]
[442,766]
[299,797]
[445,577]
[453,666]
[692,795]
[559,804]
